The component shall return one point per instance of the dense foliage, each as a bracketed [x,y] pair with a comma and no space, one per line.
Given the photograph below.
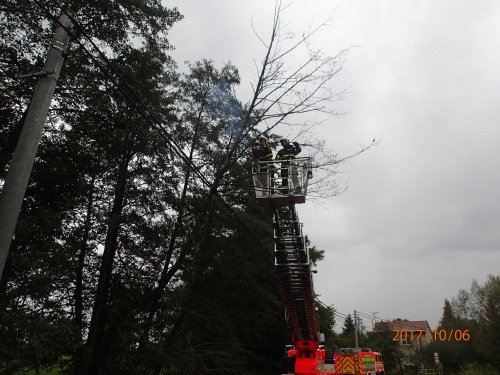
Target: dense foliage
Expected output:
[124,260]
[474,317]
[478,311]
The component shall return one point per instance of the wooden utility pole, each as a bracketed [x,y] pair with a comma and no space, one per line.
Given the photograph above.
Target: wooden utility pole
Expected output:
[21,165]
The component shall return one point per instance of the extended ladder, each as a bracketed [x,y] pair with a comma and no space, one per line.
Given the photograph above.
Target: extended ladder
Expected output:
[294,270]
[282,186]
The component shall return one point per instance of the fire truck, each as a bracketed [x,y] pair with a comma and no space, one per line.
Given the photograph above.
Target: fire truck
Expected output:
[361,361]
[281,189]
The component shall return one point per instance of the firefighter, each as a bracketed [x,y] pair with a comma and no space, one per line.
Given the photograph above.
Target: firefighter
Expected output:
[263,154]
[287,153]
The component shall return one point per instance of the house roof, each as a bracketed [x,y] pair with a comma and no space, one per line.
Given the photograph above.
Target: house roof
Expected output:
[403,324]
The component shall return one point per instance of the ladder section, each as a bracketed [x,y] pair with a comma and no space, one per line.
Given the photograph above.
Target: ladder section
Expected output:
[294,271]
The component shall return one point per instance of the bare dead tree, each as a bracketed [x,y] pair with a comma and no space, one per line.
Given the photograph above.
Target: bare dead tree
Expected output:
[285,97]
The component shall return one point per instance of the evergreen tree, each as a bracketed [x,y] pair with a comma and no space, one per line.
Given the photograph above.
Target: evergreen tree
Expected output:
[448,321]
[125,259]
[490,322]
[348,328]
[89,155]
[473,317]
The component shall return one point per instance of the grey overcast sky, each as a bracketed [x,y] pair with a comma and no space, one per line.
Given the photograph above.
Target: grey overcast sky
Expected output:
[420,219]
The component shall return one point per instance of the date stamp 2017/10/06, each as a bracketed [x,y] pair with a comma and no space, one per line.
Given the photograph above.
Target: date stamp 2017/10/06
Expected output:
[434,334]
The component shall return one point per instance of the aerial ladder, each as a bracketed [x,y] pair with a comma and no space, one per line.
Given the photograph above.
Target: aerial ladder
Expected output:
[283,185]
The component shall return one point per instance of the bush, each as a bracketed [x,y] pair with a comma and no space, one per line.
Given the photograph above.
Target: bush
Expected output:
[475,369]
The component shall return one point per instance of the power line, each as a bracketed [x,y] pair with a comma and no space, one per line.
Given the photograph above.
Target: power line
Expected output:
[135,100]
[144,110]
[401,324]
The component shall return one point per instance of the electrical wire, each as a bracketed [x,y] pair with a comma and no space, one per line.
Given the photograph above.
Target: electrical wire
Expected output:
[401,324]
[135,100]
[144,110]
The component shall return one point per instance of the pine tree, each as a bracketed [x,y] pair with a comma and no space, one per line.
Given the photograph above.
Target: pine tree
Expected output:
[348,328]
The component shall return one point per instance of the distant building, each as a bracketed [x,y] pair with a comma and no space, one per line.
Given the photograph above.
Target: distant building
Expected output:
[412,335]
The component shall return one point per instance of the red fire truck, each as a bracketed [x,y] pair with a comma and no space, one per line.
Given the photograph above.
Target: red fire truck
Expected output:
[322,362]
[362,361]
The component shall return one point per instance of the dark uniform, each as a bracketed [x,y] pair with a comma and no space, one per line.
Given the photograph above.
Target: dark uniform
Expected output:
[288,152]
[264,155]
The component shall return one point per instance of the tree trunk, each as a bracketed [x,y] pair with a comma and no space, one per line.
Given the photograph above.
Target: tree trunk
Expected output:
[152,300]
[79,276]
[94,347]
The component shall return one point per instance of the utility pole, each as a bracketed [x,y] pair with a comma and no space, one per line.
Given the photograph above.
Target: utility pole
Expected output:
[374,313]
[12,195]
[355,330]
